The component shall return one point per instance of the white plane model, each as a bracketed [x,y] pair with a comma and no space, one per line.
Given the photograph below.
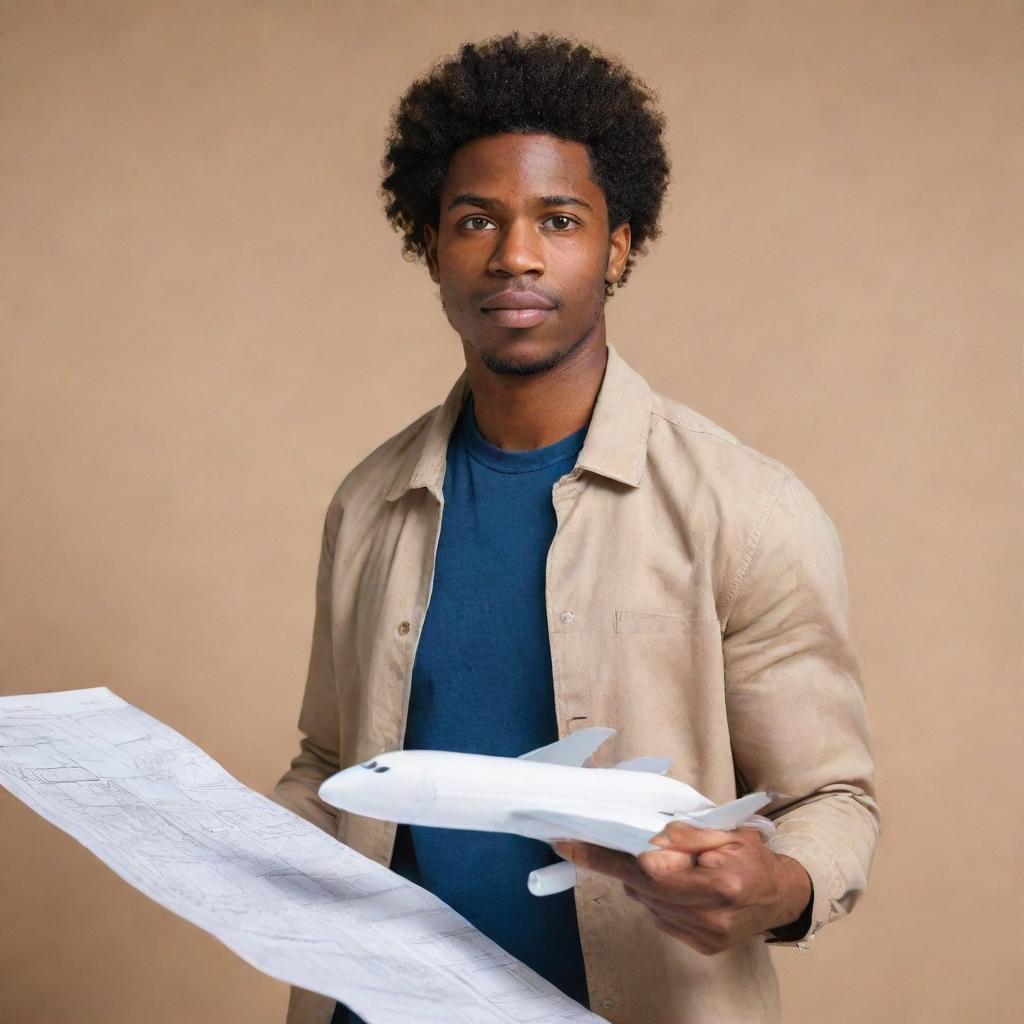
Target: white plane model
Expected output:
[545,794]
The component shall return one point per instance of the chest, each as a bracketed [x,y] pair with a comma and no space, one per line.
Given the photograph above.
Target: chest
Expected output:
[626,593]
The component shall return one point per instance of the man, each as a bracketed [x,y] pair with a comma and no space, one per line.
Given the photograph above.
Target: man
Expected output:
[556,546]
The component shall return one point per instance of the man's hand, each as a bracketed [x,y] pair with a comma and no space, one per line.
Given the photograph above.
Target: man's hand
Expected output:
[707,888]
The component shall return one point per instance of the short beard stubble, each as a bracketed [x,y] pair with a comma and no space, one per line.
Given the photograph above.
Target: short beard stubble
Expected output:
[511,368]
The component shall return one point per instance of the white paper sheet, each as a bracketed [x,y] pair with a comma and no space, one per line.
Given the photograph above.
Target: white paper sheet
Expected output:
[283,895]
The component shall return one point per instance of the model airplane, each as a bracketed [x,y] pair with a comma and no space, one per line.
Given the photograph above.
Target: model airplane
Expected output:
[545,794]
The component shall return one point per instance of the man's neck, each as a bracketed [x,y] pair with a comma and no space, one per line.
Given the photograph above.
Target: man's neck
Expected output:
[523,413]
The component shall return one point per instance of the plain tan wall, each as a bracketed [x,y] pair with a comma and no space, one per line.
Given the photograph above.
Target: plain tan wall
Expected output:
[208,323]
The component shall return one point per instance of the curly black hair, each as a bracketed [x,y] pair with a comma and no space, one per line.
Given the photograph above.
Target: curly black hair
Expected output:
[540,83]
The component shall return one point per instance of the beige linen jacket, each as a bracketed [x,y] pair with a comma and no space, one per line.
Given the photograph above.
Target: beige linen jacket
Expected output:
[696,602]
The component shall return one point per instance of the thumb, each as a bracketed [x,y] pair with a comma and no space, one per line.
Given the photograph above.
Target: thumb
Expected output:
[677,835]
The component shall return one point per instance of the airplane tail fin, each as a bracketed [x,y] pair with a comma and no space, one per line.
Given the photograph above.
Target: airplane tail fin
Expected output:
[735,813]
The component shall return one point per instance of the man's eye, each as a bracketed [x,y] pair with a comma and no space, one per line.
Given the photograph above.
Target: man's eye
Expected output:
[561,222]
[476,223]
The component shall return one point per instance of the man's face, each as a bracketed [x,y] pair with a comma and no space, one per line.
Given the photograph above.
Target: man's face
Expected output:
[522,251]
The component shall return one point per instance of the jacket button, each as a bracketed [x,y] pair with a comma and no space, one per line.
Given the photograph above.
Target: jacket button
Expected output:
[607,1004]
[404,627]
[567,617]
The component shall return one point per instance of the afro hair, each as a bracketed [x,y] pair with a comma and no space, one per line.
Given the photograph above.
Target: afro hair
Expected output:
[540,83]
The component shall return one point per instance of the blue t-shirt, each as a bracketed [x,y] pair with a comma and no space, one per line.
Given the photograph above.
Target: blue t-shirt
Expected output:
[482,684]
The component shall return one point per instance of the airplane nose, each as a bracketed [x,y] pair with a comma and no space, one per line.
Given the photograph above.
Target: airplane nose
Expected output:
[339,789]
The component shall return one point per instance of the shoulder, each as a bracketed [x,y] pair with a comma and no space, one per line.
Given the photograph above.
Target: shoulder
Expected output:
[751,489]
[765,524]
[710,461]
[369,481]
[700,437]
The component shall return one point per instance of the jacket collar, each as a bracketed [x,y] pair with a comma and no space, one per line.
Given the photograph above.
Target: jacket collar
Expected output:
[615,445]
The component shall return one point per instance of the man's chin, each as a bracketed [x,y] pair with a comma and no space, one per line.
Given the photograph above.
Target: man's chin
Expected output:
[522,364]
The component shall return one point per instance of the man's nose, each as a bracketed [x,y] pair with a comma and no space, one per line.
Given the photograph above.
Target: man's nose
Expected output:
[517,250]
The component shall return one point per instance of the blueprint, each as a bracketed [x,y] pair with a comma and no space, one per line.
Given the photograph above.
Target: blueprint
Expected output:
[280,893]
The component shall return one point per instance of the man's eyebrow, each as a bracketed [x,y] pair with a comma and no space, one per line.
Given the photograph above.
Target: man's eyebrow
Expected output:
[471,199]
[565,201]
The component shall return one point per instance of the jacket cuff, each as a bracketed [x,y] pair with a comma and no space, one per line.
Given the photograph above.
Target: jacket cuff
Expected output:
[826,885]
[795,930]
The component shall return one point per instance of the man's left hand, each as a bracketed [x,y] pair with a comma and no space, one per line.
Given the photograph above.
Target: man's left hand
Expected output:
[707,888]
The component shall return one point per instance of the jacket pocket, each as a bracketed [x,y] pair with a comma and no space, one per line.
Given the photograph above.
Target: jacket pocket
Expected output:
[658,623]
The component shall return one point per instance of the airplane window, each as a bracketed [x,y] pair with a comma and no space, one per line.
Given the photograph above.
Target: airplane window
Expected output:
[382,768]
[370,764]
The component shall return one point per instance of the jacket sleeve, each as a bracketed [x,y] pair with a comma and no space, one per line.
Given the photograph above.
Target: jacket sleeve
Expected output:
[797,717]
[319,718]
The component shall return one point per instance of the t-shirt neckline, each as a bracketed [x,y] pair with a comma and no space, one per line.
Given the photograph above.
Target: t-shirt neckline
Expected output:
[503,461]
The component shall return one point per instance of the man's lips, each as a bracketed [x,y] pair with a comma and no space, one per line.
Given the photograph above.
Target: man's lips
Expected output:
[517,300]
[517,308]
[518,317]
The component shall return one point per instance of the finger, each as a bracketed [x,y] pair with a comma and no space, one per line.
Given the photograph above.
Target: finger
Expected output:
[673,875]
[701,943]
[670,913]
[696,888]
[707,929]
[686,905]
[677,835]
[712,859]
[616,865]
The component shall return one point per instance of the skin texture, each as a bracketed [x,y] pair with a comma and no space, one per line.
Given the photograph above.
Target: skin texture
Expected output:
[531,386]
[540,83]
[707,888]
[499,229]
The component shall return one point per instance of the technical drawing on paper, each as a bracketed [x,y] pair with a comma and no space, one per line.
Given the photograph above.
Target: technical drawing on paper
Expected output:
[283,895]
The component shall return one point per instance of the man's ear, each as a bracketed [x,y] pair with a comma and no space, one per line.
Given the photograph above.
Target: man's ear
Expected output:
[619,242]
[430,236]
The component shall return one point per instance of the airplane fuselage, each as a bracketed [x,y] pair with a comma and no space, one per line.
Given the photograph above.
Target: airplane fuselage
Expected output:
[476,791]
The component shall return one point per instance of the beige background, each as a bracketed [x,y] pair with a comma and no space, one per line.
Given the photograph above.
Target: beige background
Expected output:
[208,323]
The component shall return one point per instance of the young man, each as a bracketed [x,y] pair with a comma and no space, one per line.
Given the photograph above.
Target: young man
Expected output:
[556,546]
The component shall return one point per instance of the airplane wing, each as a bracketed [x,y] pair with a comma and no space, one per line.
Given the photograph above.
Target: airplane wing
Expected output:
[573,750]
[613,835]
[634,839]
